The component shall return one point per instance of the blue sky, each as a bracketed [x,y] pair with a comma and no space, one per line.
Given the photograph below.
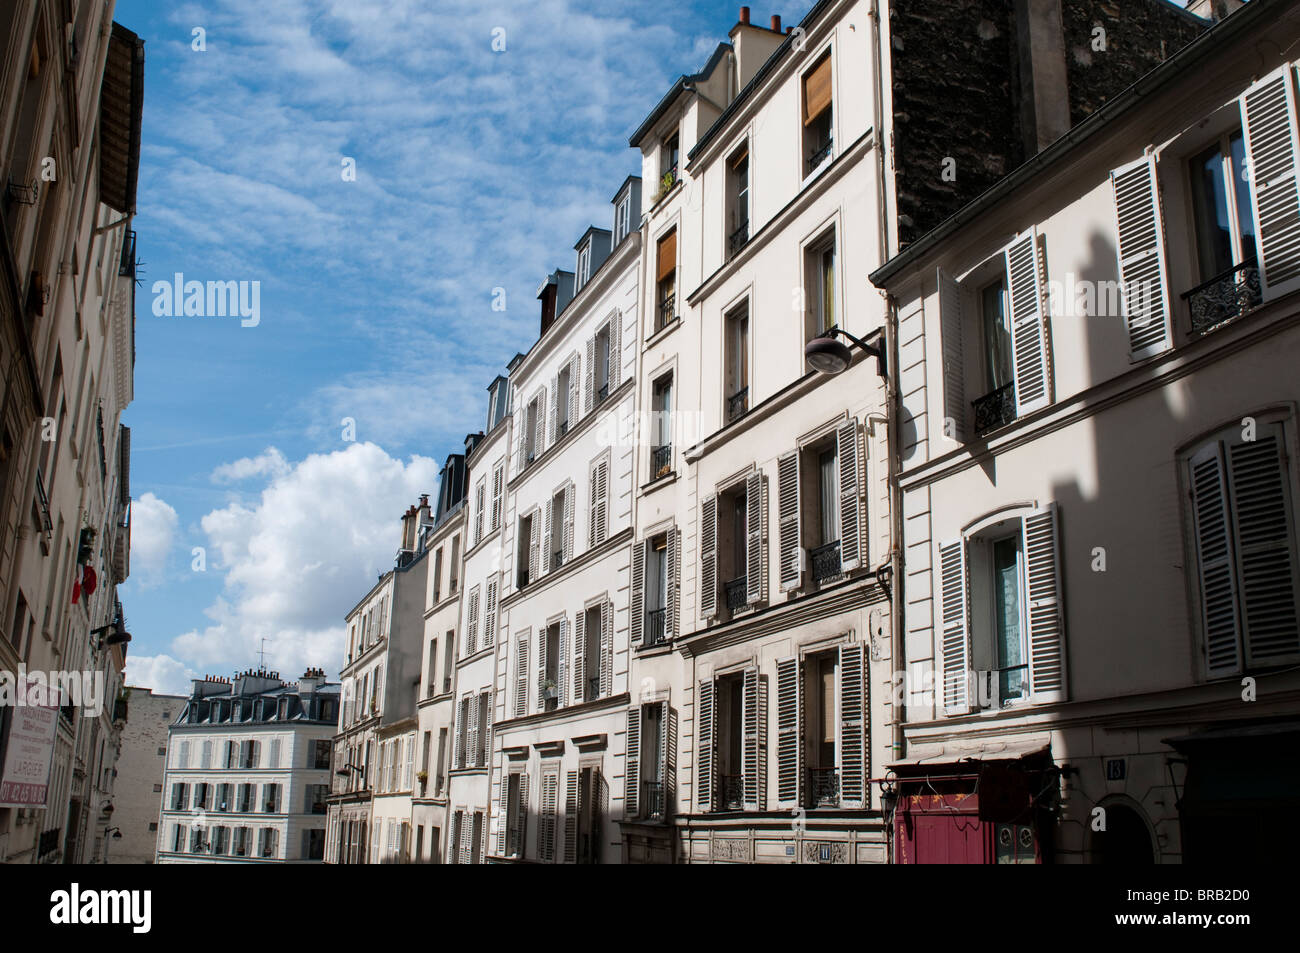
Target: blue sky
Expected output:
[475,169]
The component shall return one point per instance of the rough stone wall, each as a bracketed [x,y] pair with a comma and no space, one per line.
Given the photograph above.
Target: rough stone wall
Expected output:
[139,768]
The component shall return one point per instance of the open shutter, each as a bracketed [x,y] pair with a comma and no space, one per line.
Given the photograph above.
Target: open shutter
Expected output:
[462,720]
[632,789]
[1046,620]
[787,733]
[574,390]
[615,351]
[547,533]
[955,645]
[755,513]
[709,557]
[520,425]
[571,817]
[541,667]
[600,513]
[706,776]
[522,831]
[521,676]
[637,622]
[546,829]
[555,407]
[1268,118]
[471,627]
[539,425]
[853,726]
[753,741]
[787,496]
[490,614]
[1141,250]
[589,390]
[668,749]
[568,524]
[606,649]
[580,658]
[1265,548]
[674,583]
[534,546]
[848,450]
[471,742]
[503,813]
[498,491]
[954,367]
[1028,347]
[562,674]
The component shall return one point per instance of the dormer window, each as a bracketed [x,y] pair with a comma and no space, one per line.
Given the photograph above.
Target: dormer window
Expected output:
[584,264]
[668,158]
[623,218]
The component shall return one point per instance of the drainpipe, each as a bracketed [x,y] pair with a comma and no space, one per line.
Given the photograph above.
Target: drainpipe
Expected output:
[878,94]
[897,648]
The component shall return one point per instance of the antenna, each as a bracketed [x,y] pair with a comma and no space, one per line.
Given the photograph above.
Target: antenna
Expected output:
[262,654]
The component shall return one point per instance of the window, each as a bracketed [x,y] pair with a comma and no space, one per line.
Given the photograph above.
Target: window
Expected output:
[668,158]
[315,798]
[591,793]
[1244,534]
[819,285]
[180,797]
[666,281]
[588,657]
[453,570]
[599,508]
[820,506]
[243,835]
[249,752]
[449,659]
[602,364]
[315,841]
[178,838]
[547,826]
[270,798]
[526,549]
[1221,203]
[532,417]
[622,218]
[484,720]
[817,136]
[996,337]
[661,403]
[442,761]
[548,688]
[730,752]
[480,508]
[733,530]
[563,392]
[737,201]
[516,799]
[221,841]
[656,589]
[498,488]
[647,768]
[821,735]
[268,842]
[322,749]
[437,575]
[431,670]
[557,522]
[736,383]
[222,804]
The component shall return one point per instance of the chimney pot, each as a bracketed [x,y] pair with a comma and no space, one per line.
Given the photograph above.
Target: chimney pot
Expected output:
[744,15]
[776,23]
[789,30]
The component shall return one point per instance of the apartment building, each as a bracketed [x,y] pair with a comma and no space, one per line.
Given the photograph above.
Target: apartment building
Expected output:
[563,730]
[470,667]
[380,680]
[70,112]
[141,763]
[248,770]
[1099,485]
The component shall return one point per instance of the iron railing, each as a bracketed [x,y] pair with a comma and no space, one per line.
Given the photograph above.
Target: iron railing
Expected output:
[43,503]
[49,842]
[820,154]
[737,593]
[557,559]
[655,627]
[561,429]
[593,688]
[826,561]
[667,311]
[738,404]
[126,266]
[995,409]
[602,392]
[738,239]
[731,792]
[661,461]
[823,787]
[652,800]
[1225,297]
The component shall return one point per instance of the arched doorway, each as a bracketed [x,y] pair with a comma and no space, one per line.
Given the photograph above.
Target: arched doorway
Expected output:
[1126,841]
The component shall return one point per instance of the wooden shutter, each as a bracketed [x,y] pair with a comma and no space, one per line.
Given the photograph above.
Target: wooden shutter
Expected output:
[548,531]
[673,576]
[954,368]
[546,824]
[503,813]
[471,628]
[571,817]
[667,258]
[705,781]
[753,741]
[1029,350]
[580,658]
[817,89]
[498,489]
[853,726]
[471,739]
[755,533]
[1269,121]
[590,387]
[787,505]
[534,544]
[606,649]
[520,422]
[1043,602]
[466,842]
[637,610]
[632,786]
[490,614]
[539,425]
[1141,251]
[1264,541]
[849,454]
[543,636]
[954,644]
[788,773]
[521,675]
[599,502]
[709,557]
[615,351]
[567,545]
[575,390]
[522,832]
[562,671]
[554,412]
[668,747]
[480,501]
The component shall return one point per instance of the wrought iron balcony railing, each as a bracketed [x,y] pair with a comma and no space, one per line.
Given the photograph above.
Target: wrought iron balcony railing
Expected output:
[652,800]
[738,404]
[667,311]
[995,409]
[736,593]
[738,239]
[826,561]
[602,392]
[1224,298]
[561,429]
[126,266]
[43,503]
[823,787]
[655,628]
[661,461]
[820,155]
[731,792]
[593,688]
[557,559]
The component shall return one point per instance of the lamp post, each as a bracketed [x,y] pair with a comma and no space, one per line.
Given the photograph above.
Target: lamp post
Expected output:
[110,833]
[830,356]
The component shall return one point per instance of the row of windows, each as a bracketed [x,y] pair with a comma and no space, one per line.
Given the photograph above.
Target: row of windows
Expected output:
[243,798]
[369,629]
[568,824]
[224,841]
[247,753]
[572,662]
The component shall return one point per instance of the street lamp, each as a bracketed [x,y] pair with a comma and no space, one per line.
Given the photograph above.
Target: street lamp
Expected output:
[115,833]
[119,633]
[830,356]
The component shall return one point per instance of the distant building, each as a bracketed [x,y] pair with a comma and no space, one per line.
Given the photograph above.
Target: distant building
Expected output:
[140,766]
[248,766]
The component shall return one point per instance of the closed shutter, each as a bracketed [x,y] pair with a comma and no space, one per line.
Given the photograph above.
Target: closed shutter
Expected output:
[1046,619]
[954,368]
[520,424]
[709,557]
[1141,250]
[542,652]
[705,781]
[632,788]
[672,625]
[503,813]
[669,749]
[548,533]
[580,658]
[471,627]
[755,534]
[753,754]
[568,524]
[490,614]
[571,817]
[539,425]
[1029,350]
[1265,548]
[562,672]
[954,645]
[534,543]
[546,823]
[521,833]
[498,491]
[555,406]
[606,649]
[521,676]
[462,716]
[787,505]
[480,502]
[787,732]
[848,450]
[615,352]
[575,390]
[599,502]
[590,388]
[466,842]
[853,726]
[472,739]
[637,621]
[1269,120]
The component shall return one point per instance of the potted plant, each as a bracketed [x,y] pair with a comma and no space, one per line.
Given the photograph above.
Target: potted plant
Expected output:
[549,689]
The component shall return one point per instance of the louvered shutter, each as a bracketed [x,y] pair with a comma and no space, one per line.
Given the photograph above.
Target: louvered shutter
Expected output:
[955,647]
[534,546]
[672,624]
[547,535]
[521,676]
[954,368]
[1265,548]
[580,658]
[541,668]
[520,423]
[539,425]
[561,678]
[568,523]
[753,755]
[1046,618]
[1029,350]
[490,614]
[709,557]
[849,453]
[480,502]
[705,781]
[466,843]
[755,554]
[669,749]
[471,628]
[787,505]
[498,489]
[853,726]
[575,390]
[503,813]
[590,387]
[522,834]
[546,826]
[472,739]
[632,788]
[555,407]
[637,621]
[599,502]
[571,817]
[787,733]
[1269,121]
[606,649]
[1141,251]
[615,352]
[462,716]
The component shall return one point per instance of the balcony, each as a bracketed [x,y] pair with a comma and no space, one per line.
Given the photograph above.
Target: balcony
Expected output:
[49,842]
[655,627]
[661,461]
[561,429]
[521,581]
[126,267]
[667,312]
[825,561]
[820,155]
[738,404]
[731,792]
[995,409]
[43,504]
[602,392]
[1224,298]
[738,239]
[736,594]
[823,787]
[557,559]
[652,800]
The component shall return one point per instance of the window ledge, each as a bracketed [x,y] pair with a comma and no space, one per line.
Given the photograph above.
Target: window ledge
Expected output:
[650,651]
[663,332]
[658,482]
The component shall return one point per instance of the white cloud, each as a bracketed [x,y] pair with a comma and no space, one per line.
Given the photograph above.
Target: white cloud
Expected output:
[162,673]
[270,462]
[153,532]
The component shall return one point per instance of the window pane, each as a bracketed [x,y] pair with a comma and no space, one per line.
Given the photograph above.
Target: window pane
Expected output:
[830,517]
[1006,608]
[1213,234]
[997,336]
[1241,186]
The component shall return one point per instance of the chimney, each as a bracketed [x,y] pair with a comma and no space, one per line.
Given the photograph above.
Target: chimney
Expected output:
[409,528]
[554,294]
[1044,96]
[744,15]
[776,23]
[426,514]
[311,680]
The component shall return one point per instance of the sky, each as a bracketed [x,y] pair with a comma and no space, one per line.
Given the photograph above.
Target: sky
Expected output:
[378,170]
